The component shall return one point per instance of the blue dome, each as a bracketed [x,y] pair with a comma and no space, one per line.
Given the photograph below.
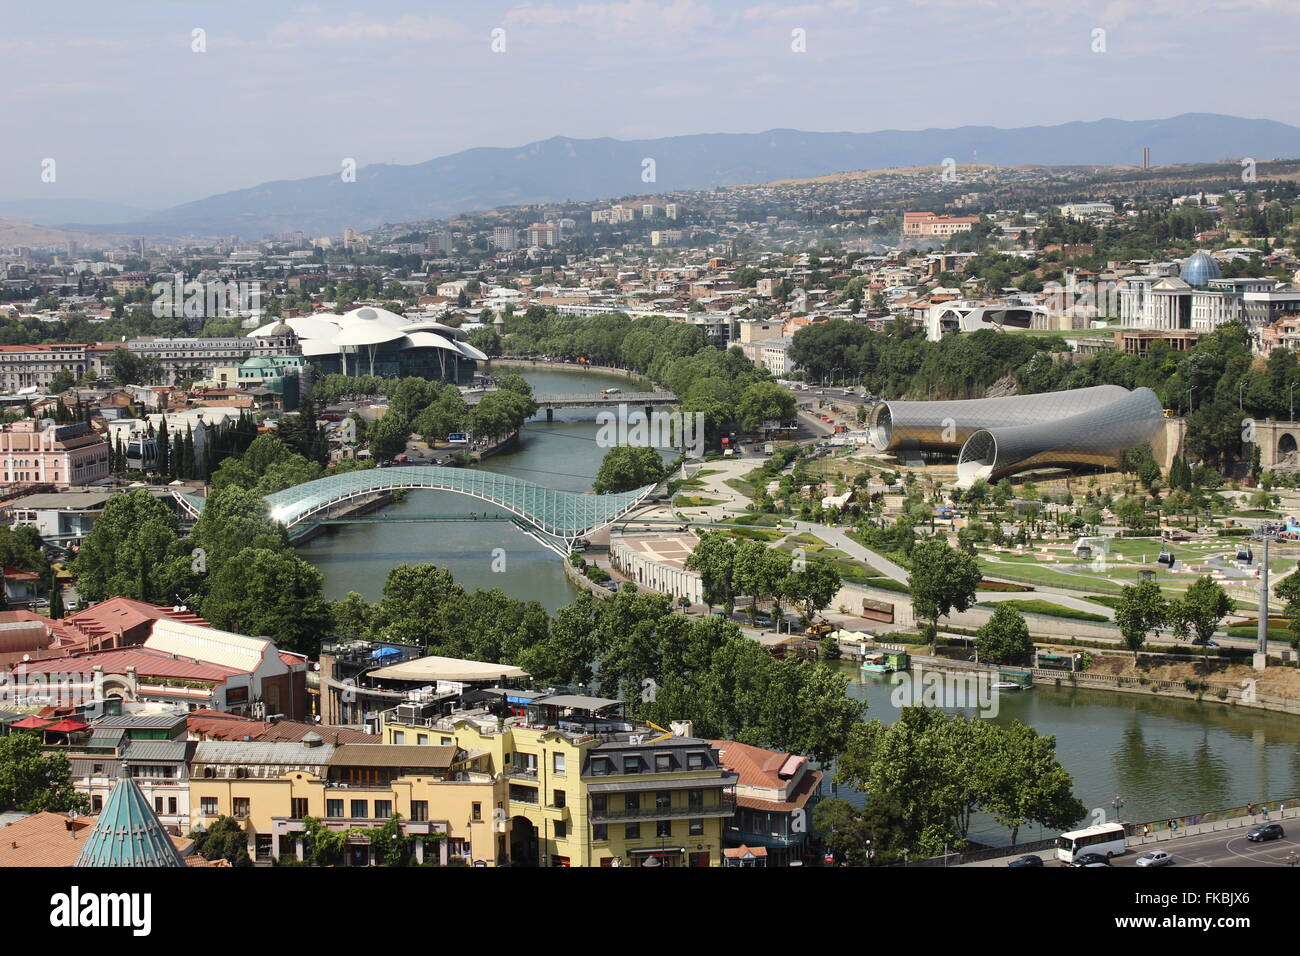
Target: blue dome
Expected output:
[1199,268]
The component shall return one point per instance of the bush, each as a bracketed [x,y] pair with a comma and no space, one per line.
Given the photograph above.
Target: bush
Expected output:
[599,575]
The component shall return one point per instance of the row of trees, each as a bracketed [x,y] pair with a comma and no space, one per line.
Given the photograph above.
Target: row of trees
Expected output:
[630,646]
[731,567]
[927,774]
[724,386]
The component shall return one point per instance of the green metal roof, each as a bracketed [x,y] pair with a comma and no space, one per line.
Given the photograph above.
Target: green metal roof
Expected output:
[128,833]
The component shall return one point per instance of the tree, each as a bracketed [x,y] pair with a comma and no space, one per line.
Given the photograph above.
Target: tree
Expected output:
[270,593]
[1141,608]
[61,381]
[31,782]
[942,579]
[1288,589]
[628,467]
[714,560]
[224,840]
[388,436]
[763,402]
[129,550]
[1202,607]
[1004,638]
[813,588]
[842,829]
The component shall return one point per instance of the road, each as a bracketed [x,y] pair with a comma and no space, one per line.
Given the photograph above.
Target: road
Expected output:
[1206,845]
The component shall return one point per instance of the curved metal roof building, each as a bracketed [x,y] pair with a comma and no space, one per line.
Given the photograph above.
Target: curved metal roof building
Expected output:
[993,437]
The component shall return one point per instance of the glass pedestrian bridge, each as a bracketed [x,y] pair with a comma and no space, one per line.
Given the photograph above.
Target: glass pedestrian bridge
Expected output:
[563,515]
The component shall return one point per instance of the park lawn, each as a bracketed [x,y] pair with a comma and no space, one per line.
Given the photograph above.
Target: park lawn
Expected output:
[764,520]
[884,583]
[694,501]
[754,534]
[1036,606]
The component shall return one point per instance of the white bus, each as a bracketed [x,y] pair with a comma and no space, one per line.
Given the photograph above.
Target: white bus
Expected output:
[1104,839]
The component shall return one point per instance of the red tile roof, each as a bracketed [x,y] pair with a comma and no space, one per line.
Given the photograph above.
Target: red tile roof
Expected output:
[53,839]
[147,663]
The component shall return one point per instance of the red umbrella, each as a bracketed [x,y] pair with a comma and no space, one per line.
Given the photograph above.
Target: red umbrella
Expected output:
[30,723]
[67,726]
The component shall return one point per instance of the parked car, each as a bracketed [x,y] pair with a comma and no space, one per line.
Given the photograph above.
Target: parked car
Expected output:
[1090,859]
[1200,643]
[1265,832]
[1027,860]
[1155,858]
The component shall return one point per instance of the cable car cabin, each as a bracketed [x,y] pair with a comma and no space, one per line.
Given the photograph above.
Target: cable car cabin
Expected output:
[1245,555]
[1083,552]
[1166,558]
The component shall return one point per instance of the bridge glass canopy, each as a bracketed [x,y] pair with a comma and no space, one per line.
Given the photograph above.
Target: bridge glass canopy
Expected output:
[561,514]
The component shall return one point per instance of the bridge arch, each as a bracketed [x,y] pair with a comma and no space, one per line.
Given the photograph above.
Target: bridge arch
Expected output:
[563,516]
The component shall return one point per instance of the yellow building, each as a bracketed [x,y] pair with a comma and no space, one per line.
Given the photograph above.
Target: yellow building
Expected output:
[270,787]
[582,785]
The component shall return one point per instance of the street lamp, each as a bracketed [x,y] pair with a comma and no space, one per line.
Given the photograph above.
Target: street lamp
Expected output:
[1265,533]
[1291,396]
[1117,803]
[1240,406]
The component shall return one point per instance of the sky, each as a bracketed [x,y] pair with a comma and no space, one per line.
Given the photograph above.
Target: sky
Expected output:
[130,109]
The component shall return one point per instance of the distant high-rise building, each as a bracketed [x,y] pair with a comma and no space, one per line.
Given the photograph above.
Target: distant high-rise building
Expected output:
[505,237]
[544,234]
[672,210]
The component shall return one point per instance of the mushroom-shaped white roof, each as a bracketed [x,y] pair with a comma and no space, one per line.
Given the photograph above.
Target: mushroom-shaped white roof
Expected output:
[367,333]
[313,347]
[431,326]
[372,315]
[430,340]
[470,352]
[304,326]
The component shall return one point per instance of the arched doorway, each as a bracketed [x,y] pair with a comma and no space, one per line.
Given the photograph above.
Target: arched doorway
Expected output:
[523,842]
[1286,445]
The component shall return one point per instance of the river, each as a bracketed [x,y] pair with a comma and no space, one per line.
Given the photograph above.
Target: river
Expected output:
[1161,756]
[562,454]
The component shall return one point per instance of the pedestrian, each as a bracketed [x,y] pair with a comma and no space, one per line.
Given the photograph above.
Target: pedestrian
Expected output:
[1146,830]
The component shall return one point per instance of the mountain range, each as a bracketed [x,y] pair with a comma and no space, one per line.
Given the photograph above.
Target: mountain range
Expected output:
[561,168]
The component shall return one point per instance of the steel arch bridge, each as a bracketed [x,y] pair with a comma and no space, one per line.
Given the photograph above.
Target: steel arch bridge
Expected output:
[562,516]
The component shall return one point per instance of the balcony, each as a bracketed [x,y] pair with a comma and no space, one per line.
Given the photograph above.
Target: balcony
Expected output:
[726,808]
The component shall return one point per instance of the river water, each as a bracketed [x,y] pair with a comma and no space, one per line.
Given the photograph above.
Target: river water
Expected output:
[562,454]
[1162,757]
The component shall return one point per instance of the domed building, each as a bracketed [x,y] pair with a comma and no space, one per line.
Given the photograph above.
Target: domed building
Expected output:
[1199,268]
[374,341]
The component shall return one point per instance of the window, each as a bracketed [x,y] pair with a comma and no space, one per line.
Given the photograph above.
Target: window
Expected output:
[360,809]
[558,799]
[598,803]
[695,799]
[171,804]
[476,811]
[632,831]
[557,763]
[695,761]
[383,809]
[664,828]
[600,832]
[600,766]
[399,737]
[298,807]
[631,764]
[663,763]
[422,739]
[240,807]
[632,801]
[561,829]
[157,805]
[420,810]
[447,741]
[663,800]
[334,808]
[697,828]
[207,805]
